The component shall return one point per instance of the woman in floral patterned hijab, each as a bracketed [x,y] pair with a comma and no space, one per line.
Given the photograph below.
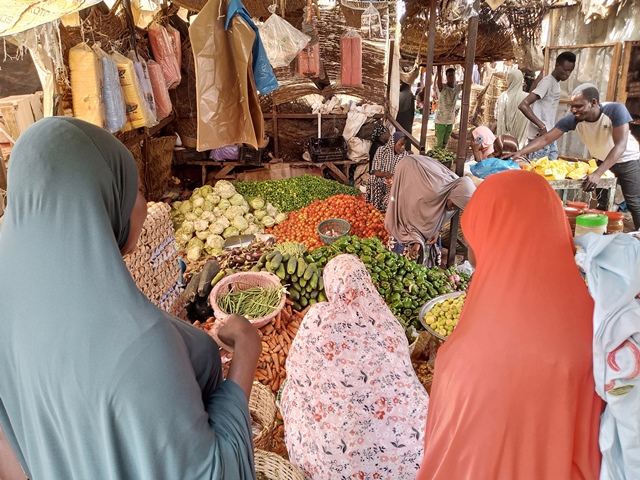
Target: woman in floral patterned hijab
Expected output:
[352,405]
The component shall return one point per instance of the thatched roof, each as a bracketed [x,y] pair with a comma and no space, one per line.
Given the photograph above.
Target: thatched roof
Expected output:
[499,31]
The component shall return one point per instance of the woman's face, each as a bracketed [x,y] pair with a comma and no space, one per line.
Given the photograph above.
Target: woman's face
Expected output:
[384,137]
[399,146]
[138,216]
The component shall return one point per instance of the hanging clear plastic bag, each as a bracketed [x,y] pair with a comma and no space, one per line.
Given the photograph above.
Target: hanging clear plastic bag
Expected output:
[462,10]
[282,41]
[138,111]
[370,21]
[112,96]
[164,53]
[351,59]
[142,72]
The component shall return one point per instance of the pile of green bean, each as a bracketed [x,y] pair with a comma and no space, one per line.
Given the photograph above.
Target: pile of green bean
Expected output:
[253,302]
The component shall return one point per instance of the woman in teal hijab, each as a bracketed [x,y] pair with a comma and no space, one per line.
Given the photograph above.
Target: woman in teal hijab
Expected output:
[98,383]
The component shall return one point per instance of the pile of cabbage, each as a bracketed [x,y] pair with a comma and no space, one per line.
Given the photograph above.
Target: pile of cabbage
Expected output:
[213,214]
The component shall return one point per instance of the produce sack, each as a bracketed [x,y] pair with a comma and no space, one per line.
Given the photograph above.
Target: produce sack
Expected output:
[160,91]
[490,166]
[138,113]
[142,73]
[164,54]
[282,41]
[351,59]
[114,106]
[309,61]
[227,99]
[358,149]
[230,152]
[86,84]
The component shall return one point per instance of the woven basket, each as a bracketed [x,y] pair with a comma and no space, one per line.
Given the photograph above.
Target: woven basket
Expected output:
[243,281]
[419,344]
[262,405]
[274,467]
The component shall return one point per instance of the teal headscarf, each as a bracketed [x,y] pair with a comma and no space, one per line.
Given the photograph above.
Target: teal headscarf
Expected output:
[98,383]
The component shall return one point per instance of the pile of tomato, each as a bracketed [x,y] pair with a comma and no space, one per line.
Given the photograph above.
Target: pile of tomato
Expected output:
[302,225]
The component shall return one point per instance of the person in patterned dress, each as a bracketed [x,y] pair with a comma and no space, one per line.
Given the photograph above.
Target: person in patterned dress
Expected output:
[353,407]
[383,167]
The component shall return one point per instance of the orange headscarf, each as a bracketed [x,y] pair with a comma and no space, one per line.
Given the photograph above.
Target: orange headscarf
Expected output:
[513,395]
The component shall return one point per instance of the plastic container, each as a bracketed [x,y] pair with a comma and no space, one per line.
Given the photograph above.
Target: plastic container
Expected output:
[580,205]
[616,222]
[338,225]
[572,213]
[594,211]
[591,223]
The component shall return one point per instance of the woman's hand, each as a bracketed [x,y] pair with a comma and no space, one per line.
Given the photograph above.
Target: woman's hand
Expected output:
[236,332]
[414,252]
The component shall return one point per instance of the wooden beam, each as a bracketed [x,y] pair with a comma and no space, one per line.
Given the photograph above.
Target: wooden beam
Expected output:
[426,104]
[310,116]
[338,174]
[470,55]
[392,46]
[614,72]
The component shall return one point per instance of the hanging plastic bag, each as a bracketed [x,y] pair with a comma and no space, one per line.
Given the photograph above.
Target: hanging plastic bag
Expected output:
[142,73]
[462,10]
[164,54]
[86,84]
[490,166]
[176,43]
[370,21]
[114,106]
[351,59]
[160,91]
[309,61]
[138,113]
[281,40]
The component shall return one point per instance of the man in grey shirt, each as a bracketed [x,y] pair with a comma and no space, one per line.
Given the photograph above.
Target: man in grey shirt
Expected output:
[604,129]
[541,105]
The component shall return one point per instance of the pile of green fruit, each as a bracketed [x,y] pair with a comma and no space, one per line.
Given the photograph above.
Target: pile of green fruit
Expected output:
[441,154]
[443,317]
[404,285]
[302,278]
[292,194]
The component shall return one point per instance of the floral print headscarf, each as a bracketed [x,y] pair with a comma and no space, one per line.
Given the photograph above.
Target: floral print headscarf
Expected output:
[352,405]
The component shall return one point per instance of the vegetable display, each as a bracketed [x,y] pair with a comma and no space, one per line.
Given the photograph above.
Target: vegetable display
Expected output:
[441,154]
[295,193]
[213,214]
[302,226]
[251,303]
[443,317]
[301,276]
[404,285]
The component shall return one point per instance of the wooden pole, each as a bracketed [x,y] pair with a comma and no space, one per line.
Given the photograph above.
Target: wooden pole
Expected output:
[470,55]
[426,104]
[392,46]
[276,134]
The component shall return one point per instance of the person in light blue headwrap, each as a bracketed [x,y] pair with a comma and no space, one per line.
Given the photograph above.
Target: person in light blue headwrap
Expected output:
[97,382]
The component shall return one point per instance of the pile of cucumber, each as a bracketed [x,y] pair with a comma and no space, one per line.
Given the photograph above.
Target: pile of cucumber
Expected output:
[302,277]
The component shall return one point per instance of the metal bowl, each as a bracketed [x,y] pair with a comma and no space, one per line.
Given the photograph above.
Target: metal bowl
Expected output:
[238,241]
[426,308]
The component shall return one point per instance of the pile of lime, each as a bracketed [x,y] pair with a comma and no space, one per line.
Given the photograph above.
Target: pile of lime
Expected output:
[443,317]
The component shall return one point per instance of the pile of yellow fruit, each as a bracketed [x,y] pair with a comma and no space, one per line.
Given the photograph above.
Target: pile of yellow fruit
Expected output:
[561,169]
[443,317]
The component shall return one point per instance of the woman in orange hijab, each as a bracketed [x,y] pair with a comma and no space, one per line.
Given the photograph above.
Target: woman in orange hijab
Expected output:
[513,395]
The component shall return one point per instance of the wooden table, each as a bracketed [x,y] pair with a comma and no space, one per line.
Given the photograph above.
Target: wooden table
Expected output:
[339,169]
[563,187]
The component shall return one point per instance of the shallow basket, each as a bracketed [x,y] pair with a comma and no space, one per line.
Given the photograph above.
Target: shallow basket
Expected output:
[243,281]
[426,308]
[262,405]
[420,344]
[274,467]
[333,223]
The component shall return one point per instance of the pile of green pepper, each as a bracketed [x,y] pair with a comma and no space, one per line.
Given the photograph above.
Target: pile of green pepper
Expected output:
[292,194]
[404,285]
[441,154]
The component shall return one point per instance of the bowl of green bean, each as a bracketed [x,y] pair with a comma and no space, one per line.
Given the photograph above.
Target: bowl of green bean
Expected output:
[257,296]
